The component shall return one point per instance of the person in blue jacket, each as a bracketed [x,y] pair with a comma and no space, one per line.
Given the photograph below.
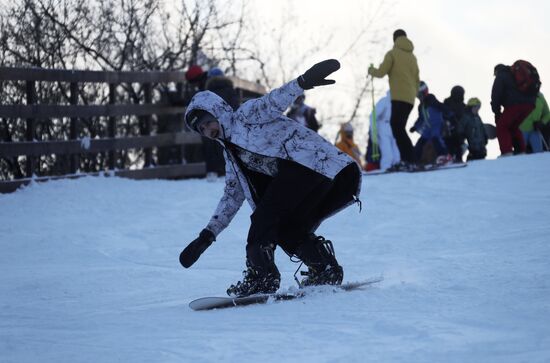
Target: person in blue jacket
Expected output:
[429,125]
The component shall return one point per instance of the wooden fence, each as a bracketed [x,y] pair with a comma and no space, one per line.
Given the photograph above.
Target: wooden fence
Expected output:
[73,147]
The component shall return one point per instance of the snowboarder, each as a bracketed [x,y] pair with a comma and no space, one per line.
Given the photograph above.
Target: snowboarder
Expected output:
[429,123]
[292,178]
[402,69]
[471,126]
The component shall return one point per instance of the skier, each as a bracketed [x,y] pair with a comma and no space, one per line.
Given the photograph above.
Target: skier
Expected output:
[292,178]
[402,69]
[429,123]
[344,142]
[389,152]
[471,126]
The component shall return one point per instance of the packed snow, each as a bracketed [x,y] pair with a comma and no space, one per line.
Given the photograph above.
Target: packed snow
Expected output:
[89,272]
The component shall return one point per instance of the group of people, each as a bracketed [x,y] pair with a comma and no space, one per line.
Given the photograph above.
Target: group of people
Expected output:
[293,179]
[521,116]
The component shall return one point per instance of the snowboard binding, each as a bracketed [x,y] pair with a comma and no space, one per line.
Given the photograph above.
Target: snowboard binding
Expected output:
[323,268]
[261,275]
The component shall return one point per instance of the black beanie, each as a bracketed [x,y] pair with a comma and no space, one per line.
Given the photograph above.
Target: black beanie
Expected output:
[399,33]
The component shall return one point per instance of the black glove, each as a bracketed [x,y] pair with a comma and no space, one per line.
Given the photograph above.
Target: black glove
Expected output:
[537,125]
[315,76]
[194,250]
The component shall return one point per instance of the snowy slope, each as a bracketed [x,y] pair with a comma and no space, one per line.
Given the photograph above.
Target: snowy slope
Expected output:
[89,272]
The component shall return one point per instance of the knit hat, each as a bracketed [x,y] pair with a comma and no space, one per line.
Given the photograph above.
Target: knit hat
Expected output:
[215,72]
[423,87]
[474,101]
[194,73]
[457,92]
[347,127]
[399,33]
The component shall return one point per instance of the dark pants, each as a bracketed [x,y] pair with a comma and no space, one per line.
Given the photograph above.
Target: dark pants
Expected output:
[477,154]
[454,145]
[296,201]
[508,133]
[399,115]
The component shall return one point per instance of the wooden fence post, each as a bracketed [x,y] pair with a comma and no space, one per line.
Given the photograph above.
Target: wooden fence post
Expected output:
[180,88]
[112,126]
[31,100]
[73,130]
[148,121]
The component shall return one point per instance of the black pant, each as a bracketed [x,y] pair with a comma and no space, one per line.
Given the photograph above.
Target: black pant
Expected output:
[399,115]
[296,201]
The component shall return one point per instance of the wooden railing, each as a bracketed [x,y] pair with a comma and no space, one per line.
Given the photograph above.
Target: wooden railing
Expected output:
[111,144]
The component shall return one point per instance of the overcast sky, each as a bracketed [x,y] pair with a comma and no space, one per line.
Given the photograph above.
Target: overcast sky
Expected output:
[456,42]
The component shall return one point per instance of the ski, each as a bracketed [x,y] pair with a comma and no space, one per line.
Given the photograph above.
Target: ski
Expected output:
[210,303]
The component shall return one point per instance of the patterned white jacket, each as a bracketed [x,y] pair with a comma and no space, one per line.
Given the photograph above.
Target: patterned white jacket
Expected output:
[260,126]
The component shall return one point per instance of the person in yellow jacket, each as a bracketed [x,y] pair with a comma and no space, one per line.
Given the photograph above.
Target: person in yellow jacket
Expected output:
[344,142]
[402,69]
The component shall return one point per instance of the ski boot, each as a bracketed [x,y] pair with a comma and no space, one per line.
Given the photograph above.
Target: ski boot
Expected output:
[318,255]
[261,275]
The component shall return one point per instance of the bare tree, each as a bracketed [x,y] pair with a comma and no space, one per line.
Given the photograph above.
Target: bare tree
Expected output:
[137,35]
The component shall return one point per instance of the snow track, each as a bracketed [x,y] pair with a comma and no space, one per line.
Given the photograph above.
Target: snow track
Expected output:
[89,272]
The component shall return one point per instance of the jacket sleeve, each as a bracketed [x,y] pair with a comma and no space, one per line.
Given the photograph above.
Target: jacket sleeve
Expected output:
[496,94]
[545,116]
[384,67]
[230,203]
[271,105]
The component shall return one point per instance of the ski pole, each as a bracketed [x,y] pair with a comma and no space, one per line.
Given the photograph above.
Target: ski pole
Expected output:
[543,140]
[374,133]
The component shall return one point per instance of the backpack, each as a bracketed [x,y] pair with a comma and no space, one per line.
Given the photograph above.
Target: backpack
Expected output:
[526,77]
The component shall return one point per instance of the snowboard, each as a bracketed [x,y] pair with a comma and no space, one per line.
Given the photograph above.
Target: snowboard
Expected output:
[376,172]
[421,168]
[210,303]
[432,167]
[491,131]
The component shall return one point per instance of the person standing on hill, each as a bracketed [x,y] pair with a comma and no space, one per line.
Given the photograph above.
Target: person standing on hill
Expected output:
[471,127]
[345,142]
[517,106]
[402,69]
[431,113]
[531,127]
[455,104]
[388,150]
[303,114]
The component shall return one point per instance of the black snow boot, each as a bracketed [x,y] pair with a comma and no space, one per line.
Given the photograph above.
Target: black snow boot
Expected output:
[318,255]
[261,275]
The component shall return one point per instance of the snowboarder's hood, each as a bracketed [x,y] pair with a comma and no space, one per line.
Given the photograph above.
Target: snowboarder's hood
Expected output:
[404,43]
[211,103]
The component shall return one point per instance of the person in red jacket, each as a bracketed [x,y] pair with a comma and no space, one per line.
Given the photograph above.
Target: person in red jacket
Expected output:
[517,106]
